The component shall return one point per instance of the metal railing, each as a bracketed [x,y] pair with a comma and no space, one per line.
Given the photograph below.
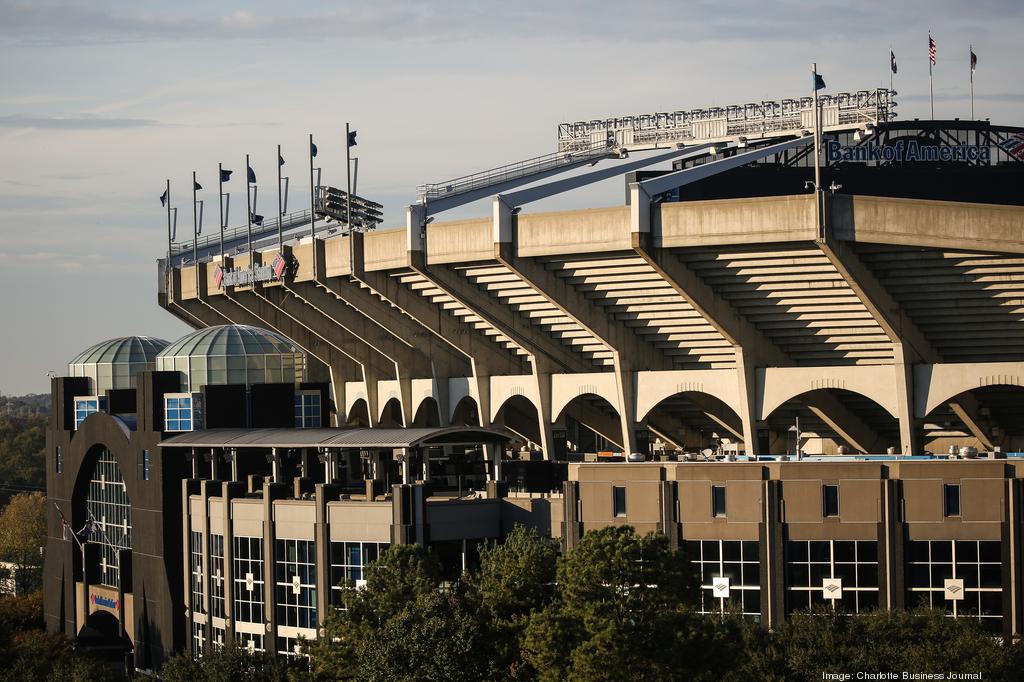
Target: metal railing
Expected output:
[231,235]
[771,118]
[513,171]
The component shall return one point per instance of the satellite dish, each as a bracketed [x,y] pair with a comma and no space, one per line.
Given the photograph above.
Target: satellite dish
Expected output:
[707,452]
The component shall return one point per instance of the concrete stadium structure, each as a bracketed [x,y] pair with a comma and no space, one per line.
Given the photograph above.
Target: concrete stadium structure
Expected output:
[892,322]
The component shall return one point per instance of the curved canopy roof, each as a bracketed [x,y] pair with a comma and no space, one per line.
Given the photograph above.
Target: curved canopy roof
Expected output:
[337,438]
[230,339]
[113,364]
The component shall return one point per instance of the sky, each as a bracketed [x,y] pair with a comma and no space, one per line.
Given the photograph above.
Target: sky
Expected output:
[102,102]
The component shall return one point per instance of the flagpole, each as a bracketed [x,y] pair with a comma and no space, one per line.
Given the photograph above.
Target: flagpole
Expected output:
[312,204]
[248,210]
[195,232]
[817,147]
[280,210]
[220,202]
[169,242]
[348,178]
[970,60]
[931,89]
[890,68]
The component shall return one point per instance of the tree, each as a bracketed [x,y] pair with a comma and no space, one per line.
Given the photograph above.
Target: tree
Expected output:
[226,663]
[22,460]
[920,641]
[516,578]
[22,534]
[625,606]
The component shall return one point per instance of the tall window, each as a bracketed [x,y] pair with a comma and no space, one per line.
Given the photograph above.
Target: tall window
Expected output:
[196,555]
[87,405]
[307,410]
[964,577]
[248,578]
[108,507]
[840,573]
[348,563]
[178,412]
[830,500]
[198,639]
[618,500]
[951,499]
[295,583]
[737,562]
[217,576]
[718,500]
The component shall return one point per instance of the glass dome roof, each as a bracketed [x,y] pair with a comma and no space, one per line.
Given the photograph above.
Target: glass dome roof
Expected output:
[113,364]
[233,354]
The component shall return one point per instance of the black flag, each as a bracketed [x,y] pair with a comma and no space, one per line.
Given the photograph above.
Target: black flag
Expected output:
[256,219]
[352,138]
[196,186]
[225,175]
[312,149]
[163,198]
[280,160]
[252,176]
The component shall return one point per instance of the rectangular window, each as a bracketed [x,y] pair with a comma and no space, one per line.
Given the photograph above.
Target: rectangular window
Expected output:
[197,572]
[841,574]
[830,500]
[718,501]
[974,570]
[737,562]
[249,641]
[84,406]
[198,639]
[145,465]
[619,500]
[60,461]
[307,410]
[216,575]
[248,579]
[178,412]
[295,583]
[951,499]
[348,563]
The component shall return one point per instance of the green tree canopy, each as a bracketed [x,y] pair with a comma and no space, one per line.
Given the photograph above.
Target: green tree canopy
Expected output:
[22,534]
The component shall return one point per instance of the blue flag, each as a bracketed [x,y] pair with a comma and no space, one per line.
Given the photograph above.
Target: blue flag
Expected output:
[256,219]
[196,186]
[352,138]
[252,176]
[163,198]
[892,61]
[819,82]
[312,149]
[225,175]
[280,160]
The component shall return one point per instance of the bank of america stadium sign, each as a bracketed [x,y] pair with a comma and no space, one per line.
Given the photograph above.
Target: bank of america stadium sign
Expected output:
[907,151]
[259,273]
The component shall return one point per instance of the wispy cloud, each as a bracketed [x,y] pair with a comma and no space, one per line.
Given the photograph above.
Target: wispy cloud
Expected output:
[73,122]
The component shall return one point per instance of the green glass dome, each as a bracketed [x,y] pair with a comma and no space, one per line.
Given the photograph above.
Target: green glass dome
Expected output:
[113,364]
[233,354]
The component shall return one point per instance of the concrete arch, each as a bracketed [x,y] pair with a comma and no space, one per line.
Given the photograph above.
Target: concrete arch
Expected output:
[99,431]
[505,388]
[358,413]
[594,419]
[520,416]
[653,388]
[466,412]
[391,413]
[428,413]
[567,387]
[937,384]
[776,385]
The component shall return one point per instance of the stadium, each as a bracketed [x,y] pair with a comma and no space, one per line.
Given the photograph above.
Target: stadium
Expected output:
[800,358]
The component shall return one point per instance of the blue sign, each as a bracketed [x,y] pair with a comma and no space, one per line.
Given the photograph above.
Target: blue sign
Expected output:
[100,600]
[909,151]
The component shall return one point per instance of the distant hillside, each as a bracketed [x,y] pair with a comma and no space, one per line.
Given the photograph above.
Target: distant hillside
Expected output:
[25,405]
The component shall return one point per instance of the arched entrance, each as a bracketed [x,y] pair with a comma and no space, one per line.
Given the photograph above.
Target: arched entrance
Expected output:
[358,415]
[391,415]
[588,424]
[427,414]
[466,413]
[519,415]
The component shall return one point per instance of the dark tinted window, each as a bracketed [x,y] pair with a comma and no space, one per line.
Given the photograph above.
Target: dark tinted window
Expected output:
[718,500]
[830,497]
[952,499]
[619,500]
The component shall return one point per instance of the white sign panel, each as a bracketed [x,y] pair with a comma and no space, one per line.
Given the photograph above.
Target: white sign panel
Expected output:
[248,581]
[954,589]
[720,587]
[296,585]
[832,588]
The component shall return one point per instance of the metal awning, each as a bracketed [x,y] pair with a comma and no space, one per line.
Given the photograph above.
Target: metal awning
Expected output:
[337,438]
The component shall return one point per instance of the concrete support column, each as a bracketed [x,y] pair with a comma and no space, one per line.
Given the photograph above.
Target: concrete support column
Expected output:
[271,492]
[771,534]
[910,436]
[321,496]
[229,491]
[746,374]
[625,384]
[542,378]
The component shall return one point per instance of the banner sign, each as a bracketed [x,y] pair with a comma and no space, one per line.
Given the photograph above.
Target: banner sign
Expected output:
[105,602]
[907,151]
[260,273]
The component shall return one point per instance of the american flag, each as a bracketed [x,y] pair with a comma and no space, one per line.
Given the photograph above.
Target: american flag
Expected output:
[1014,146]
[932,51]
